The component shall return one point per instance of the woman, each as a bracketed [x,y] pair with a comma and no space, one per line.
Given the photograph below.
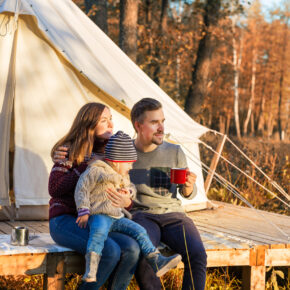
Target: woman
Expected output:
[86,141]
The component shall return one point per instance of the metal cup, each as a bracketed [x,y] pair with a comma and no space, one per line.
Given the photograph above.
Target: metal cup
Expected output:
[19,236]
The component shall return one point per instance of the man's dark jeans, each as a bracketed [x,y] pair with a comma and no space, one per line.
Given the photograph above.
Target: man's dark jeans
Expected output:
[169,228]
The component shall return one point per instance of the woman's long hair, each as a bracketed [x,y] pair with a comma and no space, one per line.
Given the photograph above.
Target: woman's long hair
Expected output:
[81,136]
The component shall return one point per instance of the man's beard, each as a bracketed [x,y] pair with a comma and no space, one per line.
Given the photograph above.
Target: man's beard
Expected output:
[157,140]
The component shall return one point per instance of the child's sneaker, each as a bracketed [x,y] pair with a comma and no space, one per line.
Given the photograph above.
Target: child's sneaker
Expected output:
[162,264]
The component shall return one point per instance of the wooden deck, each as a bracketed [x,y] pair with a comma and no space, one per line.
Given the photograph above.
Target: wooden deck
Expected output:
[232,236]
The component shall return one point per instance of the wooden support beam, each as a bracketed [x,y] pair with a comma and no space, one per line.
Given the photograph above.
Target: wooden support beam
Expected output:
[277,257]
[22,264]
[213,164]
[55,272]
[231,257]
[254,277]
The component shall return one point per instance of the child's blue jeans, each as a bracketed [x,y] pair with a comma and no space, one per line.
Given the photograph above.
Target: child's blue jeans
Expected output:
[100,225]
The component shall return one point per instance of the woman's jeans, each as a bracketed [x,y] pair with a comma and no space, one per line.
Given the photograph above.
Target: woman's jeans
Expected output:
[100,226]
[120,251]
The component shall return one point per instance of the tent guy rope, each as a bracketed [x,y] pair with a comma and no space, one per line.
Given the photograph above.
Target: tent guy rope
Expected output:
[233,189]
[274,183]
[244,173]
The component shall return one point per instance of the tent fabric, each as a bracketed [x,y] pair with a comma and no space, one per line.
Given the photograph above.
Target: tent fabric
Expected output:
[62,61]
[7,71]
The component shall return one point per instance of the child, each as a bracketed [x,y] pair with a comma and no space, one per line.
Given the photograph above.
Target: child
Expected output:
[102,217]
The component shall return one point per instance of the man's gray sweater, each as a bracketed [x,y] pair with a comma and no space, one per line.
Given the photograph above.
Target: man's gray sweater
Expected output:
[151,176]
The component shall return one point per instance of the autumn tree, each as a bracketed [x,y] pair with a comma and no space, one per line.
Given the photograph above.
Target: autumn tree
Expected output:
[128,27]
[198,88]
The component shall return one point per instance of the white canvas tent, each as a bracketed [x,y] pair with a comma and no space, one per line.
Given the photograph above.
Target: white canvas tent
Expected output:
[53,59]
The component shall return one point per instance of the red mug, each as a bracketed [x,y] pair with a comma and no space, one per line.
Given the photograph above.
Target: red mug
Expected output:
[178,175]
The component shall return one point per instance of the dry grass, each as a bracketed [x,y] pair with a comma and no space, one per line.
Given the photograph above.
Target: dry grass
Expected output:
[273,158]
[223,278]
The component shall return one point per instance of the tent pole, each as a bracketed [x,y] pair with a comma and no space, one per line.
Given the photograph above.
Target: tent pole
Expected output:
[214,163]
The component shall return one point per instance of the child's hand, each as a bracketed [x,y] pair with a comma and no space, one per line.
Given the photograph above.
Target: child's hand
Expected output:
[82,221]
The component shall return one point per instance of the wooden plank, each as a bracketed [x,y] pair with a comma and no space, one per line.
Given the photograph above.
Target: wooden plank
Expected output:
[261,250]
[34,226]
[221,241]
[242,223]
[262,236]
[55,272]
[23,264]
[223,258]
[242,236]
[5,228]
[242,211]
[254,277]
[277,257]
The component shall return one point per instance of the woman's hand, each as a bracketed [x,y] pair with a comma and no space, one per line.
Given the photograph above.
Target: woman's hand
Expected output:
[120,198]
[82,221]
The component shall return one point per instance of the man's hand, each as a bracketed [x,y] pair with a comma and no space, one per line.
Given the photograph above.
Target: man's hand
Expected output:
[189,183]
[61,154]
[82,221]
[120,198]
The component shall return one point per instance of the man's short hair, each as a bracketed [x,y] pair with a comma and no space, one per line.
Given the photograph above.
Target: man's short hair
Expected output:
[144,105]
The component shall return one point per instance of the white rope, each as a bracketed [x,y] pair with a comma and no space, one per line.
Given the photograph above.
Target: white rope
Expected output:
[274,183]
[16,15]
[244,173]
[231,188]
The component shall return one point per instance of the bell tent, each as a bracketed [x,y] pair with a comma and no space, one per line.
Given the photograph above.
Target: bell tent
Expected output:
[53,60]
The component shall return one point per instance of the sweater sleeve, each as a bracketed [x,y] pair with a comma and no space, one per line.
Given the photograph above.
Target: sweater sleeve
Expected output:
[63,180]
[85,186]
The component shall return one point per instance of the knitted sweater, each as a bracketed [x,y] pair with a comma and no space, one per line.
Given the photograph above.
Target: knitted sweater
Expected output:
[61,186]
[91,189]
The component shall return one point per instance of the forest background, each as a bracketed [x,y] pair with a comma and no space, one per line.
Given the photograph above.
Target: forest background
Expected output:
[224,61]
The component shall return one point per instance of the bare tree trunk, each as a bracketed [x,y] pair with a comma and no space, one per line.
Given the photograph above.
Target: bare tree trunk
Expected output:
[283,58]
[128,27]
[98,12]
[228,123]
[148,14]
[261,119]
[270,125]
[199,83]
[253,85]
[177,76]
[222,123]
[237,63]
[162,29]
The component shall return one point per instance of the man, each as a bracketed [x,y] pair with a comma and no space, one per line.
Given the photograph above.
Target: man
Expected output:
[156,207]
